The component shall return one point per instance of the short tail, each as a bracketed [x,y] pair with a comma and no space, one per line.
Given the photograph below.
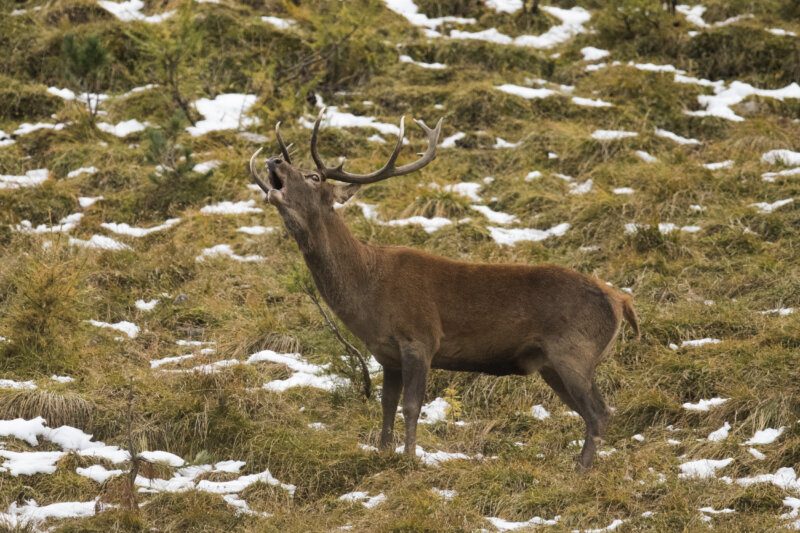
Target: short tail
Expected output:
[630,314]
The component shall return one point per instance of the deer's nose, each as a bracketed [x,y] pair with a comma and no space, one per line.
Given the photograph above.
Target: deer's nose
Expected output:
[274,162]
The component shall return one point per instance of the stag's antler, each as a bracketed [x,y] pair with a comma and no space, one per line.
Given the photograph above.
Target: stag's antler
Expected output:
[388,170]
[254,173]
[284,149]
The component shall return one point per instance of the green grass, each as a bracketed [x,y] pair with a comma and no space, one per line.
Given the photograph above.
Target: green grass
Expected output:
[743,261]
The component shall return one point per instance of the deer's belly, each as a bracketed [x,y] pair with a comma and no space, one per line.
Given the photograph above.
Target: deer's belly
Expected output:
[498,360]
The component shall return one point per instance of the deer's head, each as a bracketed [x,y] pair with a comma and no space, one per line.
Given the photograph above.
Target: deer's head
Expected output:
[303,195]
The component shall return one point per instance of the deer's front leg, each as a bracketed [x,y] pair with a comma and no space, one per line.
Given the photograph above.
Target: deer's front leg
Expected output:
[390,396]
[415,371]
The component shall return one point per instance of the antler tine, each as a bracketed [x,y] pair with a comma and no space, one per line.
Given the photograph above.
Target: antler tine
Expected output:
[389,170]
[254,173]
[314,155]
[284,149]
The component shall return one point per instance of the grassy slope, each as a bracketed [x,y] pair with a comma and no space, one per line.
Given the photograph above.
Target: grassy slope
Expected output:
[46,294]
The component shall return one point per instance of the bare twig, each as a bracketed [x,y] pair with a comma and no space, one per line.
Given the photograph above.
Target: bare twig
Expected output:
[314,57]
[352,350]
[134,505]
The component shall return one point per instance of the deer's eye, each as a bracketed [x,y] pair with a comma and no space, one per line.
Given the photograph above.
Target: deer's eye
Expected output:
[313,177]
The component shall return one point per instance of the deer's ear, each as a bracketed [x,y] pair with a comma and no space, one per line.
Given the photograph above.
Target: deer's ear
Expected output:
[342,193]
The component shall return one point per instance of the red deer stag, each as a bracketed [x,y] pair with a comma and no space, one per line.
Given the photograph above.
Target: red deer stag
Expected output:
[416,311]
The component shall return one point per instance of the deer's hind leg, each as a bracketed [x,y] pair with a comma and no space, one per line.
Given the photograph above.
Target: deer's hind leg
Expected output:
[580,393]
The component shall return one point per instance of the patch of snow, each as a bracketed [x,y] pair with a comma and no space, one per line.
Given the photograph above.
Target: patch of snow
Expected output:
[146,306]
[438,457]
[128,328]
[782,311]
[82,170]
[580,188]
[610,527]
[132,10]
[770,176]
[675,137]
[100,242]
[409,10]
[155,363]
[435,411]
[699,342]
[20,385]
[256,230]
[446,495]
[720,434]
[505,525]
[782,32]
[31,178]
[125,229]
[363,498]
[511,236]
[766,208]
[703,468]
[279,23]
[611,135]
[495,217]
[787,157]
[590,53]
[572,23]
[588,102]
[663,227]
[62,379]
[202,168]
[123,129]
[623,190]
[532,175]
[334,118]
[784,478]
[97,473]
[64,225]
[502,143]
[450,142]
[704,405]
[231,208]
[524,92]
[644,156]
[29,463]
[26,128]
[468,190]
[765,436]
[717,166]
[30,513]
[162,457]
[719,104]
[757,454]
[376,139]
[693,14]
[428,224]
[224,112]
[225,250]
[539,412]
[435,66]
[86,201]
[504,6]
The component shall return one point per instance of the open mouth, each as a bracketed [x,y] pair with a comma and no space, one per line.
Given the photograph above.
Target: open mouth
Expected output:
[274,181]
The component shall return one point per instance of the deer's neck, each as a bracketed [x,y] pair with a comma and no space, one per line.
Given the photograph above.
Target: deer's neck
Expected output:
[340,264]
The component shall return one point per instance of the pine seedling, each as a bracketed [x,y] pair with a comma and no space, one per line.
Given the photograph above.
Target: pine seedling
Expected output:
[173,159]
[85,63]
